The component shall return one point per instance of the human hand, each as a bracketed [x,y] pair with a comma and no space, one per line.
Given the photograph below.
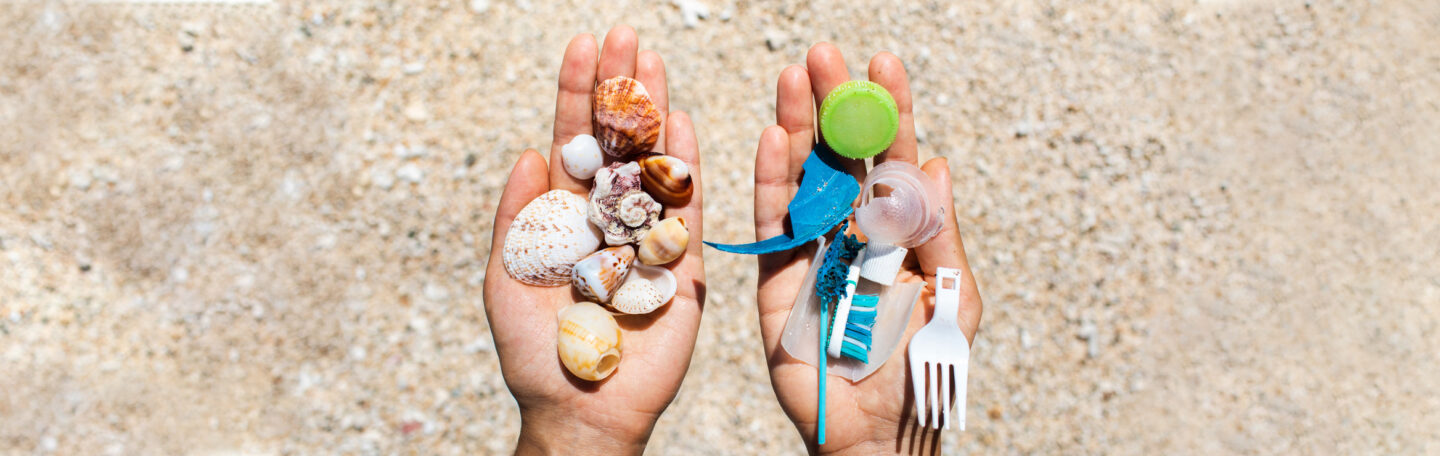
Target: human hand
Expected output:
[559,412]
[869,416]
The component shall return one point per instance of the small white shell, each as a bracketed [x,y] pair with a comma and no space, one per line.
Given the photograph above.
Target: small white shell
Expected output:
[548,237]
[648,288]
[589,341]
[581,157]
[601,273]
[665,242]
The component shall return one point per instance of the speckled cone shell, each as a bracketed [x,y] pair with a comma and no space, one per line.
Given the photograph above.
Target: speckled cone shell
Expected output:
[548,237]
[601,273]
[665,242]
[648,288]
[667,179]
[589,341]
[626,121]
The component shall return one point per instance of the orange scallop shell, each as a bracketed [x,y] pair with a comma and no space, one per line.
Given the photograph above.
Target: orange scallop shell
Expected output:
[626,121]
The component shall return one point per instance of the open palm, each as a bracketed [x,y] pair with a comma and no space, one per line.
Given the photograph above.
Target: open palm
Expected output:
[656,347]
[868,416]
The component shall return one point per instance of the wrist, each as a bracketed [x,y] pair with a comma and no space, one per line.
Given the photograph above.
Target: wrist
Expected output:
[543,434]
[868,447]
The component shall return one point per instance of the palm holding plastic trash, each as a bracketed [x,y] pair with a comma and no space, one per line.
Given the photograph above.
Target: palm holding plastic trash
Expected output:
[869,416]
[560,411]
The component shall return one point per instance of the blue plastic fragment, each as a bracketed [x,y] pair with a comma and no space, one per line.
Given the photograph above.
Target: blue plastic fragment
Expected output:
[823,201]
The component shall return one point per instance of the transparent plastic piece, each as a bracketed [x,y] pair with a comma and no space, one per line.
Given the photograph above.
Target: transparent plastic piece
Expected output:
[908,215]
[801,338]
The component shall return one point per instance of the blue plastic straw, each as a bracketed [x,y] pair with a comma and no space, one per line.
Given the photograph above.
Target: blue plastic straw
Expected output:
[824,342]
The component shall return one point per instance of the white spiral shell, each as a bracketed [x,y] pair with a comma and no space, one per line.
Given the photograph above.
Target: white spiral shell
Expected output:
[619,206]
[548,237]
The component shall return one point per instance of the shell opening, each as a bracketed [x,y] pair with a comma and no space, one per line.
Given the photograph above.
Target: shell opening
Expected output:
[608,363]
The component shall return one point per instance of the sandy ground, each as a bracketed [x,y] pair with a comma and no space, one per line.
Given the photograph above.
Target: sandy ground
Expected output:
[1199,227]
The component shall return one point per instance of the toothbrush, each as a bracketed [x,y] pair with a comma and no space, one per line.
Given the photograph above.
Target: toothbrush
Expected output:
[854,318]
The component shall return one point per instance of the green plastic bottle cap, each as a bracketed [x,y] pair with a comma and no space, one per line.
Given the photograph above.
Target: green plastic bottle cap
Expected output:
[859,119]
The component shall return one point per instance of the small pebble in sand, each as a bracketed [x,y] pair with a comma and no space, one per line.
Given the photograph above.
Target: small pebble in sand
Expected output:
[410,173]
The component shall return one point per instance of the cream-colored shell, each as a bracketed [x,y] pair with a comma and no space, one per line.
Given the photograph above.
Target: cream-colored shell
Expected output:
[548,237]
[665,242]
[648,288]
[589,341]
[600,274]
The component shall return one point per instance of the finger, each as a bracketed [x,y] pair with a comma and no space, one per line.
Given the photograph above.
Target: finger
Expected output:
[572,106]
[827,71]
[795,112]
[618,56]
[887,70]
[948,250]
[527,181]
[650,71]
[773,181]
[682,145]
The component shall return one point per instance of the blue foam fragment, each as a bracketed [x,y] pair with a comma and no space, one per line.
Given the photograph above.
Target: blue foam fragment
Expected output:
[823,201]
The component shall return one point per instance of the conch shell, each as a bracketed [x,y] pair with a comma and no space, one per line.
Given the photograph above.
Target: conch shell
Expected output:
[666,178]
[598,275]
[547,238]
[626,121]
[648,288]
[665,242]
[589,341]
[622,210]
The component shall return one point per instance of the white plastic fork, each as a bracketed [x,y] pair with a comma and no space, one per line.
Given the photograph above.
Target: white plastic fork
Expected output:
[935,350]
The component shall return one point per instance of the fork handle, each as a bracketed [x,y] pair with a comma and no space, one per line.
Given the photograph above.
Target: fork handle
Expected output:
[947,294]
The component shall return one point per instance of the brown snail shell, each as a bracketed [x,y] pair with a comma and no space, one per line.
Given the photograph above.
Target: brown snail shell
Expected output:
[667,179]
[625,120]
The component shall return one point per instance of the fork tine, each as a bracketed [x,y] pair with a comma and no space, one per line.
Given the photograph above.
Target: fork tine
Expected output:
[934,397]
[945,379]
[917,383]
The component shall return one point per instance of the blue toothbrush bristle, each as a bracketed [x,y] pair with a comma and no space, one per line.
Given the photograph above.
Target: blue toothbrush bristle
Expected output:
[858,327]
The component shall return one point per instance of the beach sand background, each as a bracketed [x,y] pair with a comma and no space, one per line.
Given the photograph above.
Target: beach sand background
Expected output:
[1198,226]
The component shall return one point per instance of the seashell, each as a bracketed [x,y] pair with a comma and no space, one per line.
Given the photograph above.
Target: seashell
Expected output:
[581,157]
[648,288]
[598,275]
[589,341]
[665,242]
[626,122]
[622,210]
[547,238]
[666,178]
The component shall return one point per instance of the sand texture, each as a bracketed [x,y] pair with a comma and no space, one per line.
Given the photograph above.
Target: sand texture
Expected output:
[1202,227]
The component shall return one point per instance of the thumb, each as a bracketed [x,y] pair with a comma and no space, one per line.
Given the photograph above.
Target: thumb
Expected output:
[947,250]
[528,179]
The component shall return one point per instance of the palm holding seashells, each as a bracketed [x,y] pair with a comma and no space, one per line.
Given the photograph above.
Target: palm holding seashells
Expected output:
[617,412]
